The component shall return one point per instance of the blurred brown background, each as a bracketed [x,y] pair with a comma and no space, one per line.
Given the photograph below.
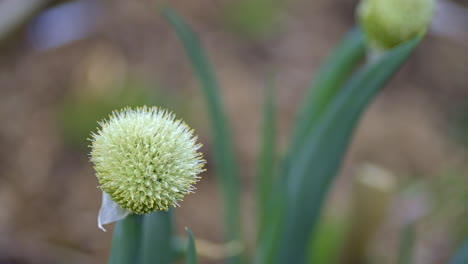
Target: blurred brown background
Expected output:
[64,65]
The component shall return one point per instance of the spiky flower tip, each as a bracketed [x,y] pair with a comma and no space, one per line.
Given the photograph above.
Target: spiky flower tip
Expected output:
[145,159]
[388,23]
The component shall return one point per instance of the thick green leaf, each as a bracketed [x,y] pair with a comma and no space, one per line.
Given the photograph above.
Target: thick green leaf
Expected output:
[461,257]
[266,168]
[191,255]
[325,86]
[126,240]
[313,170]
[157,238]
[227,169]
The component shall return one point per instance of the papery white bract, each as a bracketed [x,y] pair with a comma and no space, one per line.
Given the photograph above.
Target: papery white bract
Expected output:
[110,212]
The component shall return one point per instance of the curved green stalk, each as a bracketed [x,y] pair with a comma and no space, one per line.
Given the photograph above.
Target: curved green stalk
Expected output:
[327,83]
[323,89]
[318,161]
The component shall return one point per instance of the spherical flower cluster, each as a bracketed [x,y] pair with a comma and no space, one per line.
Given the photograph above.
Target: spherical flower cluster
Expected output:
[388,23]
[145,159]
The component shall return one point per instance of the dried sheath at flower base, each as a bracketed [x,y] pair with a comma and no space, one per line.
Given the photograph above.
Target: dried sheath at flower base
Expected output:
[145,160]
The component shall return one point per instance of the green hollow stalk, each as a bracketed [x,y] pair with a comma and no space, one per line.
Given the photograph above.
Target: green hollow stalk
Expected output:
[126,240]
[157,238]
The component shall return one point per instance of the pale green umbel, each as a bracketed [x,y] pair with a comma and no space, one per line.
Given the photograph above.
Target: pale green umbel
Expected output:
[145,160]
[388,23]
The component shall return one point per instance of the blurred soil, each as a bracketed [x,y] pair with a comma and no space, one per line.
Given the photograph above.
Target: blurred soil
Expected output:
[48,195]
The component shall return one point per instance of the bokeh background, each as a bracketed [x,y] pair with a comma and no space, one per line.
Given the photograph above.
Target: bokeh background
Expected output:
[64,65]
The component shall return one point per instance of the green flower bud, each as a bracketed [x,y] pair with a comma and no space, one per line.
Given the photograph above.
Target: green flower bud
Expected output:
[388,23]
[145,160]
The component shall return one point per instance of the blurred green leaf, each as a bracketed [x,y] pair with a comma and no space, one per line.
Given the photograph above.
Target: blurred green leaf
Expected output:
[179,248]
[461,257]
[325,86]
[191,256]
[405,252]
[227,168]
[326,246]
[318,160]
[266,168]
[156,241]
[126,240]
[254,18]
